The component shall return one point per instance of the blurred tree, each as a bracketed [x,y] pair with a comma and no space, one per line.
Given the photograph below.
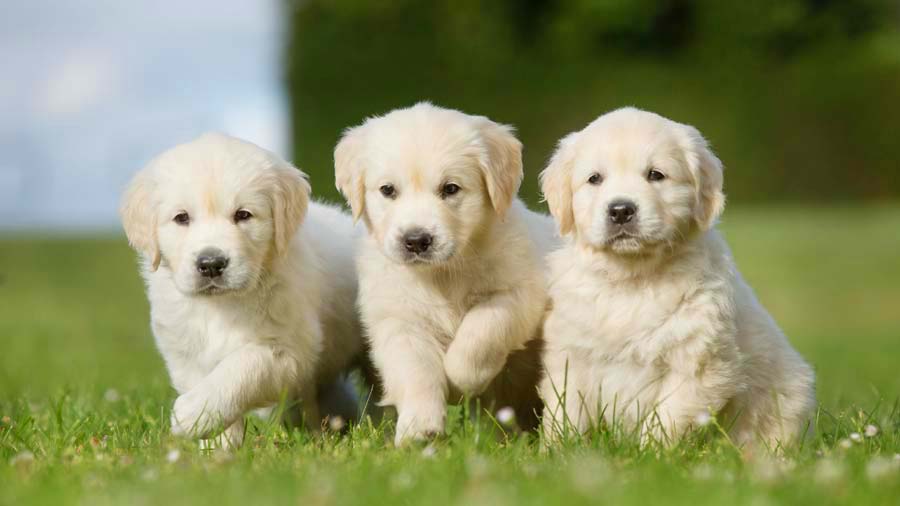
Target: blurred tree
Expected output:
[800,98]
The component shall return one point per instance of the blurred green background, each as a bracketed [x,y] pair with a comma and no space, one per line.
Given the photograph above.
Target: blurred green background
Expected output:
[800,98]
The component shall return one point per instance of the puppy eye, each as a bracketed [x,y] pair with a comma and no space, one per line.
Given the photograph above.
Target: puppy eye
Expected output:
[449,189]
[655,175]
[388,191]
[242,215]
[595,178]
[182,218]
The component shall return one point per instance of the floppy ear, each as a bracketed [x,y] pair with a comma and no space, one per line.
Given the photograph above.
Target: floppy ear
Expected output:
[556,183]
[349,172]
[139,218]
[706,169]
[290,200]
[502,163]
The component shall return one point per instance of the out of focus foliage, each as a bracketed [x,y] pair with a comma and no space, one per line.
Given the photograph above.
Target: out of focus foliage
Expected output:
[800,98]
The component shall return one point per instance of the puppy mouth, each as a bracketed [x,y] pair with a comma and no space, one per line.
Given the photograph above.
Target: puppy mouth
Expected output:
[622,235]
[429,258]
[625,242]
[212,289]
[420,259]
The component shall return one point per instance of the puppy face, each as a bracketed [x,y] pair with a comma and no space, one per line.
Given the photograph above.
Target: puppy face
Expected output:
[427,180]
[214,212]
[633,181]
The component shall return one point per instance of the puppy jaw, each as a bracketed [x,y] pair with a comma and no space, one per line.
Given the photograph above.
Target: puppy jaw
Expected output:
[416,151]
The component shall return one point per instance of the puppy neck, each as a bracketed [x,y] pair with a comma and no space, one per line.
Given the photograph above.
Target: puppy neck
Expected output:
[618,267]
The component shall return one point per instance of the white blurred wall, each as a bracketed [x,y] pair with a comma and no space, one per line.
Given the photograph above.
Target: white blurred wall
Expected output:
[90,90]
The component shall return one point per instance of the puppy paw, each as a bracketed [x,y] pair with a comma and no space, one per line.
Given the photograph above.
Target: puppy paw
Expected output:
[229,440]
[194,416]
[419,427]
[468,376]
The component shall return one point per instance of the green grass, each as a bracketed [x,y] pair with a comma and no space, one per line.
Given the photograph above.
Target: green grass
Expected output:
[74,325]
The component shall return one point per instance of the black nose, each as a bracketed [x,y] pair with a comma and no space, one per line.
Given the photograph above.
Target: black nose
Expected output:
[621,211]
[417,241]
[211,263]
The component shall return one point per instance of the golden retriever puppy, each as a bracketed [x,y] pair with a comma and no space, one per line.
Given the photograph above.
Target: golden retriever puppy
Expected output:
[251,287]
[452,289]
[651,323]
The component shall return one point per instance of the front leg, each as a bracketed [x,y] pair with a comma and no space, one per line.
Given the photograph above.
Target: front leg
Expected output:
[252,376]
[309,407]
[570,398]
[409,361]
[691,397]
[488,333]
[230,439]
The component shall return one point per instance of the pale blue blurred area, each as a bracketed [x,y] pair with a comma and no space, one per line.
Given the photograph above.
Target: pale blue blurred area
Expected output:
[92,89]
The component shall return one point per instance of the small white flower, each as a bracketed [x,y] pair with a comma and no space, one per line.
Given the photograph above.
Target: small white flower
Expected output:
[828,471]
[150,474]
[881,467]
[429,451]
[402,481]
[871,430]
[173,456]
[703,419]
[703,472]
[111,395]
[24,458]
[588,473]
[478,466]
[336,423]
[506,416]
[855,437]
[769,470]
[845,443]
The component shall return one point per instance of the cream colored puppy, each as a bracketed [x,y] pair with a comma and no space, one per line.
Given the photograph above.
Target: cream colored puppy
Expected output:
[651,323]
[251,288]
[451,283]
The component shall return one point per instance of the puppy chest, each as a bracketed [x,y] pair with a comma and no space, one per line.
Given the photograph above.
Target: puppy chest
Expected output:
[624,315]
[615,325]
[200,343]
[627,385]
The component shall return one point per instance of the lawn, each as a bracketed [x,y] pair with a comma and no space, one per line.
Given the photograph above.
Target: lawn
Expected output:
[84,397]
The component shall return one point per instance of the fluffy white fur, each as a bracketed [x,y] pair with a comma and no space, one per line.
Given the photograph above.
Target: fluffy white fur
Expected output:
[458,318]
[280,320]
[651,323]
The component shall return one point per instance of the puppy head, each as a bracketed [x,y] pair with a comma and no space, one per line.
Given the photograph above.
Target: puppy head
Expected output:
[633,181]
[214,212]
[426,179]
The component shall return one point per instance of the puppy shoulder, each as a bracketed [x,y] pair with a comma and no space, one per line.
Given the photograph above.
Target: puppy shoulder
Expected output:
[525,236]
[712,260]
